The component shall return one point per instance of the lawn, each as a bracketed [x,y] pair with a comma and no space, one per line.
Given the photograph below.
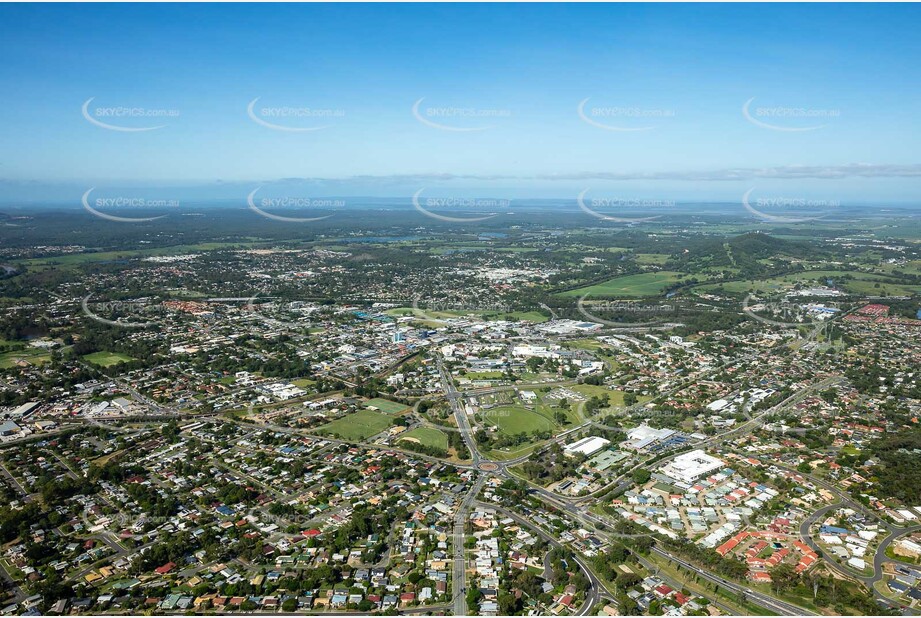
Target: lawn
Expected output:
[484,375]
[107,359]
[632,286]
[513,420]
[76,259]
[656,259]
[427,436]
[357,426]
[32,356]
[590,390]
[860,283]
[386,406]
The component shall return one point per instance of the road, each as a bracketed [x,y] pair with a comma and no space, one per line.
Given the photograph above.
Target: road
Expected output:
[596,592]
[766,601]
[499,468]
[459,583]
[455,400]
[879,557]
[573,508]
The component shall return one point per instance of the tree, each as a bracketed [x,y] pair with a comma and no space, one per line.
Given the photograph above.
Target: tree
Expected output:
[473,597]
[641,476]
[783,577]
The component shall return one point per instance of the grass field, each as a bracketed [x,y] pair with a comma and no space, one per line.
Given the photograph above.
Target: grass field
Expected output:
[76,259]
[386,406]
[860,283]
[32,356]
[357,426]
[460,249]
[107,359]
[513,420]
[590,390]
[427,436]
[632,286]
[657,259]
[484,375]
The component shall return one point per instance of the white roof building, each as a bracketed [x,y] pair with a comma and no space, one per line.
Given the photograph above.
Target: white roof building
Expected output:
[642,436]
[691,466]
[586,446]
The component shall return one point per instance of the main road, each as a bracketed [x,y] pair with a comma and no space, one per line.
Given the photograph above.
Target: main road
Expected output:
[459,584]
[455,400]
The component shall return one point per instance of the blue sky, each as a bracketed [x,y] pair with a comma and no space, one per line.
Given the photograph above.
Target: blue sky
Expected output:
[850,74]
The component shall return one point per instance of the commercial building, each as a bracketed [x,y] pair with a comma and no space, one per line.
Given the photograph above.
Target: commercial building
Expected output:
[644,436]
[586,446]
[691,466]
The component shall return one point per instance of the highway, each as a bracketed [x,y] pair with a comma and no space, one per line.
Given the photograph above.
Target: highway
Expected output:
[766,601]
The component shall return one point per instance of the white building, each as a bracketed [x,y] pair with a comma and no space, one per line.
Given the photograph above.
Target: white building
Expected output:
[586,446]
[691,466]
[643,436]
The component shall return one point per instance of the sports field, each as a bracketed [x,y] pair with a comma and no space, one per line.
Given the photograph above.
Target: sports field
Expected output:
[855,282]
[513,420]
[631,286]
[386,406]
[357,425]
[107,359]
[30,356]
[427,436]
